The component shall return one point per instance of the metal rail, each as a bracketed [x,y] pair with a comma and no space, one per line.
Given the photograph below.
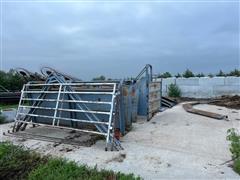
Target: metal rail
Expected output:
[68,92]
[73,101]
[70,119]
[72,84]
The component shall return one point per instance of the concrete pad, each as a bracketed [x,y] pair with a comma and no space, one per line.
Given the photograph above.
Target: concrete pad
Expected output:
[174,144]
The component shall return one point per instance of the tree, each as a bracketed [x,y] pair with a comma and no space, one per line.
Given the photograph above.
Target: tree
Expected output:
[200,75]
[235,72]
[100,78]
[221,73]
[165,75]
[178,75]
[210,75]
[11,81]
[174,91]
[188,74]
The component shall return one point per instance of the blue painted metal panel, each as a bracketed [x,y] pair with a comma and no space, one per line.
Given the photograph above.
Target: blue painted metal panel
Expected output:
[134,101]
[143,96]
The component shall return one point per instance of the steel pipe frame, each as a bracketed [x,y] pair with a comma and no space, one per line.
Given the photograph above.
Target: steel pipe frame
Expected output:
[71,84]
[53,100]
[67,92]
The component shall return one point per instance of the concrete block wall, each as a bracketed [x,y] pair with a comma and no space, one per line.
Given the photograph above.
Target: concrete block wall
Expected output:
[204,87]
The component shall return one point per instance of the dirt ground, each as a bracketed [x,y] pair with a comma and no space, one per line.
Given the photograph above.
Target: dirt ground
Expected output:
[227,101]
[174,144]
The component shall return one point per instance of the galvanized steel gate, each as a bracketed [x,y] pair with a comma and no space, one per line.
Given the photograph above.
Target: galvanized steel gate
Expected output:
[86,107]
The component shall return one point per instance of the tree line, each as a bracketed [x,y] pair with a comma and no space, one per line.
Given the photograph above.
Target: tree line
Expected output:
[188,73]
[12,81]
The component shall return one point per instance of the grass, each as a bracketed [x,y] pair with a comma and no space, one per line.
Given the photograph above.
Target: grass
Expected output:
[61,169]
[19,163]
[16,162]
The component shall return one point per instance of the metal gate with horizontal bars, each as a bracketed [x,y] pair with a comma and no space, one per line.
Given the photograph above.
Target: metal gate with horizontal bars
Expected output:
[86,107]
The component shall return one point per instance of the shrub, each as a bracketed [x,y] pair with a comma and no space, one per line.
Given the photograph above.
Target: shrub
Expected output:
[18,163]
[15,162]
[236,166]
[234,137]
[174,91]
[63,169]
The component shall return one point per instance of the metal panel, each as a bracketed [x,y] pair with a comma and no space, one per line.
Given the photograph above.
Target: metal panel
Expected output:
[143,90]
[134,102]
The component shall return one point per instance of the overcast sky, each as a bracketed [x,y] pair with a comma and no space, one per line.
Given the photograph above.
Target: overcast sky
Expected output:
[118,39]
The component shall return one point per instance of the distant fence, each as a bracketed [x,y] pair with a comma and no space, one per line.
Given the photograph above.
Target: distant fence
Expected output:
[204,87]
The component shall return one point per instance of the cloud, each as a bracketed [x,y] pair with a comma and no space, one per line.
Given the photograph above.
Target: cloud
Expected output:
[143,11]
[69,30]
[118,39]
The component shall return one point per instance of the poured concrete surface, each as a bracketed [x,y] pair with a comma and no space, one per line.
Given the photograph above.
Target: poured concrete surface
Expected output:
[174,144]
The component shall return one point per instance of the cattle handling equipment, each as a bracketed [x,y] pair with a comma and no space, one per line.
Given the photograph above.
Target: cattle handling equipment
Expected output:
[105,108]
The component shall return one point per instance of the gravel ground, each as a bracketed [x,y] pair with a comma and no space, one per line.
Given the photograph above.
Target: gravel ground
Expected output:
[174,144]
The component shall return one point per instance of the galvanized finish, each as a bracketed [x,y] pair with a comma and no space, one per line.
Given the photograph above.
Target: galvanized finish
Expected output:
[61,97]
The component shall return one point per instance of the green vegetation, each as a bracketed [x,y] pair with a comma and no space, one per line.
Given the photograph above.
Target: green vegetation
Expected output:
[235,72]
[11,81]
[62,169]
[100,78]
[8,106]
[221,73]
[234,137]
[19,163]
[188,74]
[178,75]
[210,75]
[200,75]
[16,163]
[165,75]
[174,91]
